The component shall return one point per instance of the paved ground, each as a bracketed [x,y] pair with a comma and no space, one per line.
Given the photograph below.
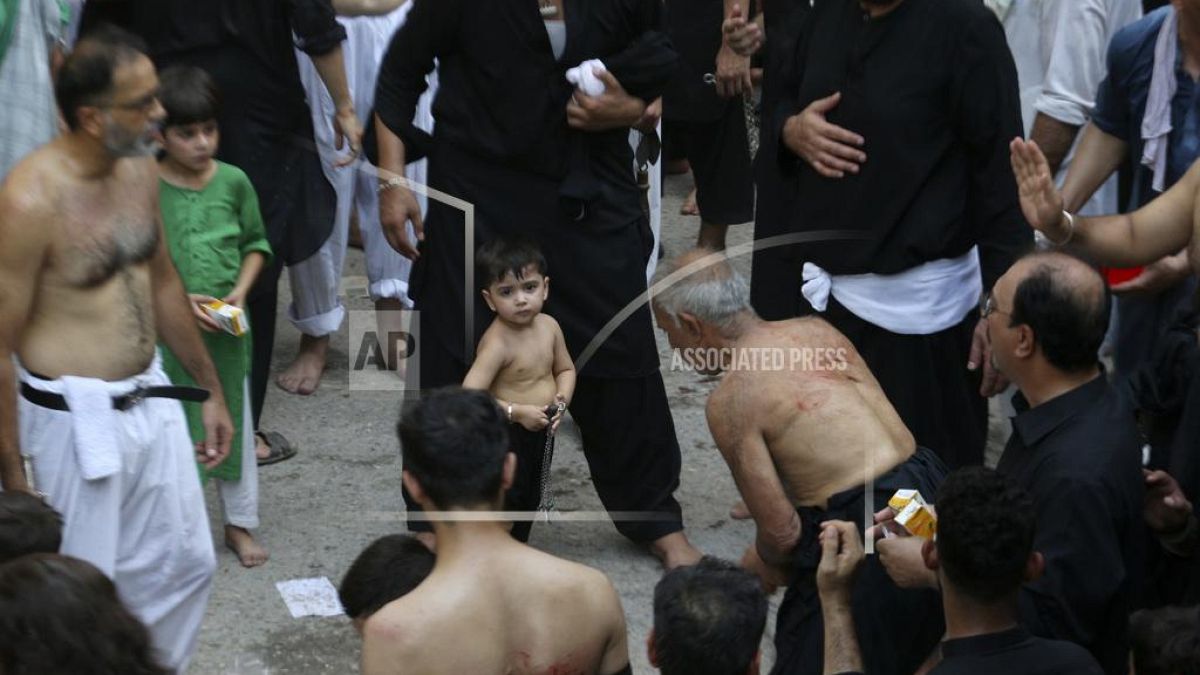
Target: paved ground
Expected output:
[343,490]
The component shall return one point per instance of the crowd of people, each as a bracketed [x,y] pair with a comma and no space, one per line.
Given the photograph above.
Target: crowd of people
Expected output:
[952,201]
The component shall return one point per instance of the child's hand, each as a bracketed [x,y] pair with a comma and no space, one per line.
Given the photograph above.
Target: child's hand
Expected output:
[531,417]
[237,298]
[561,402]
[206,323]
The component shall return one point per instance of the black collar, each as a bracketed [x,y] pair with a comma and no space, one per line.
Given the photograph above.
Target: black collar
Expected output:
[1034,424]
[984,644]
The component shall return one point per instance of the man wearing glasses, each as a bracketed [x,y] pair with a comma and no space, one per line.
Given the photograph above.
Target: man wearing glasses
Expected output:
[87,289]
[1075,449]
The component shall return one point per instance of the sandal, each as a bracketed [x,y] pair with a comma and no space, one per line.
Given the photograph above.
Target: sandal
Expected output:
[280,447]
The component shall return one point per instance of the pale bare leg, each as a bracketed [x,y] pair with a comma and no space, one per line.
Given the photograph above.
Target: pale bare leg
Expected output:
[674,550]
[304,375]
[241,542]
[690,208]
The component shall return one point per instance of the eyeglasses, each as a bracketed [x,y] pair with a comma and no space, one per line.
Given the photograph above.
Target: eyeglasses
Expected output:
[988,307]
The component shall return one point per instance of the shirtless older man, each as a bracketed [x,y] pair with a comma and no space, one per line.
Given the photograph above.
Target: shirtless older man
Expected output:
[804,427]
[86,288]
[525,611]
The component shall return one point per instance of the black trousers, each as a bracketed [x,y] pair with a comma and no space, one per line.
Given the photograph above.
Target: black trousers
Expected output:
[926,379]
[628,440]
[526,491]
[897,628]
[261,304]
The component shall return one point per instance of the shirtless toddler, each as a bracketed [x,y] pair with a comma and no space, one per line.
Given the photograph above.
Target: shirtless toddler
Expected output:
[523,362]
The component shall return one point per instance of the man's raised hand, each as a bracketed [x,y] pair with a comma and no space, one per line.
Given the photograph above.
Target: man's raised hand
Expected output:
[1041,202]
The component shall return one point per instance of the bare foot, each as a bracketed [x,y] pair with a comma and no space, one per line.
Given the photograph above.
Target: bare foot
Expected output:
[690,208]
[304,375]
[261,449]
[712,237]
[242,543]
[427,538]
[739,511]
[674,550]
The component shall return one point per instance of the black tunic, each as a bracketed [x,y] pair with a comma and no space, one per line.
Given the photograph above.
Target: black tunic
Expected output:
[1079,457]
[932,88]
[501,142]
[266,128]
[1013,651]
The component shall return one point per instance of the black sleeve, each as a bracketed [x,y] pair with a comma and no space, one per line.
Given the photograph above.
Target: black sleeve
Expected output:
[428,33]
[987,114]
[315,24]
[646,66]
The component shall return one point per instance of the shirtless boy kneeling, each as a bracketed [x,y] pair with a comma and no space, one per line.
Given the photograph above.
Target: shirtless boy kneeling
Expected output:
[523,362]
[526,611]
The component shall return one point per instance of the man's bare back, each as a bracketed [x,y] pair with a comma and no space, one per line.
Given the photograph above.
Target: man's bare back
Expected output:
[510,610]
[823,419]
[88,243]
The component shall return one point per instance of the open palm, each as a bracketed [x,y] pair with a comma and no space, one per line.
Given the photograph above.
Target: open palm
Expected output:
[1040,200]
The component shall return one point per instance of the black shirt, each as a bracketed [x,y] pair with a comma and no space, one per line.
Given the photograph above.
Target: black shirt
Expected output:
[932,89]
[1013,651]
[1079,457]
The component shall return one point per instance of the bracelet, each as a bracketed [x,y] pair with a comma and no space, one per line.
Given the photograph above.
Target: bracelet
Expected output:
[393,182]
[1070,230]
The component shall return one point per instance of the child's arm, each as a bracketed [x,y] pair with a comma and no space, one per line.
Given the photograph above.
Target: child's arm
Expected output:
[490,357]
[564,373]
[252,264]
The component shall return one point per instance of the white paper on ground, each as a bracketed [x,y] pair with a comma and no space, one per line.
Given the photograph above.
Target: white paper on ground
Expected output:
[310,597]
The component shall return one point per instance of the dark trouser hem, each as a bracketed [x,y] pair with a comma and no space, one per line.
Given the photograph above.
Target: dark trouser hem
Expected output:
[896,628]
[719,154]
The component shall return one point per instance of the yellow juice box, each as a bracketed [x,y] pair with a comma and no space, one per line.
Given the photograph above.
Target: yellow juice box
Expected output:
[231,319]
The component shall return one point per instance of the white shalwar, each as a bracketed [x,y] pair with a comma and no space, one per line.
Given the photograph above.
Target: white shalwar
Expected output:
[127,487]
[317,309]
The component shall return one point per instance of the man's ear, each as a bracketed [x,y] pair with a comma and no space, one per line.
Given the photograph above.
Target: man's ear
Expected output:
[509,471]
[413,486]
[487,297]
[691,324]
[929,555]
[1026,342]
[1034,566]
[91,120]
[651,651]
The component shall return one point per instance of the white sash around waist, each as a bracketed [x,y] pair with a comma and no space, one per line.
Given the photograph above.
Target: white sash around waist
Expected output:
[923,300]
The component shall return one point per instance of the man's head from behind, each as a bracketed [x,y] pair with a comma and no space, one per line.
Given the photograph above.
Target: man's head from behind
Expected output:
[984,549]
[27,525]
[1165,641]
[455,447]
[107,90]
[708,620]
[389,568]
[705,305]
[1048,312]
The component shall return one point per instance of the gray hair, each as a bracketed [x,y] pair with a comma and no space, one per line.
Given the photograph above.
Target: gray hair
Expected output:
[715,293]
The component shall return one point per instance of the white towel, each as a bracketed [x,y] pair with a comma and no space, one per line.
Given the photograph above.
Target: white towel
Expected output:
[1156,122]
[923,300]
[91,404]
[586,77]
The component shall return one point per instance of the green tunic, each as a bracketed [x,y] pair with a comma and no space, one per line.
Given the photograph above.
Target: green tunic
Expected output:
[209,232]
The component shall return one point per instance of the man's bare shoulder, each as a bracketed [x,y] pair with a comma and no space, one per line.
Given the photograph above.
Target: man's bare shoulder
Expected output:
[730,409]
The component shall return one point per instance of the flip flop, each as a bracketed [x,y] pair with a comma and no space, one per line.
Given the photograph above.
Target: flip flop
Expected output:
[281,448]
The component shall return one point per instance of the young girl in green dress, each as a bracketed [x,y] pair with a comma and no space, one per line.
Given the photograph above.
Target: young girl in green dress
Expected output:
[217,240]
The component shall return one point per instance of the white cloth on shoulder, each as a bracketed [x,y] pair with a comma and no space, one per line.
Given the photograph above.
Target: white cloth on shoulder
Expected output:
[923,300]
[586,77]
[1156,122]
